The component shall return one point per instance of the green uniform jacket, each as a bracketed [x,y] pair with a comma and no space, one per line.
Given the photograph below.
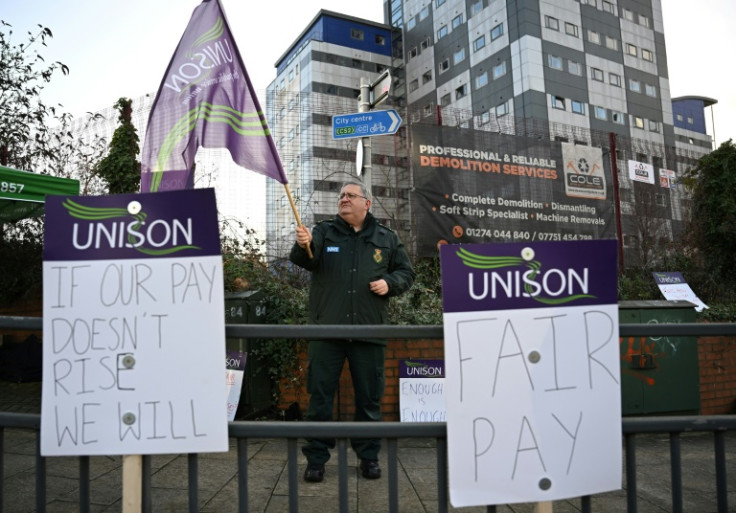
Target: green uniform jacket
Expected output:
[344,263]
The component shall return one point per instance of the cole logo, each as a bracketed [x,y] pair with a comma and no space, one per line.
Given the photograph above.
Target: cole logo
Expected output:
[551,287]
[377,257]
[102,230]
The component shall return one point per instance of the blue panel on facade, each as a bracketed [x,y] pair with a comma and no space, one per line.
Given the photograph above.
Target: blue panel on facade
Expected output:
[685,111]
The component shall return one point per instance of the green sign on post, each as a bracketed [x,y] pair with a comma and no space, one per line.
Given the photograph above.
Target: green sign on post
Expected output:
[22,194]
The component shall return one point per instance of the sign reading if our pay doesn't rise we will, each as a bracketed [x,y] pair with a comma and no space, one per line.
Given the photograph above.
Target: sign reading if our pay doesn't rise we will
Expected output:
[134,335]
[532,383]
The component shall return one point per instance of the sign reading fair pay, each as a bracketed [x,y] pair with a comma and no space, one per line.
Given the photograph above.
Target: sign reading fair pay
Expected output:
[134,336]
[532,382]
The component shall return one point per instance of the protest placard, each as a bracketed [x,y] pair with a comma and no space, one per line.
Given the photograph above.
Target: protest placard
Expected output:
[674,287]
[133,325]
[421,390]
[532,383]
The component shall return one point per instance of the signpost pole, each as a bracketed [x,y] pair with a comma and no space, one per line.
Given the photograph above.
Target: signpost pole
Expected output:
[364,105]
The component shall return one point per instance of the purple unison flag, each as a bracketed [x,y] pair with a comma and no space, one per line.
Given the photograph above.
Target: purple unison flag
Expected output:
[205,99]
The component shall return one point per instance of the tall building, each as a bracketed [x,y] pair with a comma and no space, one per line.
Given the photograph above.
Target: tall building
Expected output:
[588,72]
[582,73]
[318,76]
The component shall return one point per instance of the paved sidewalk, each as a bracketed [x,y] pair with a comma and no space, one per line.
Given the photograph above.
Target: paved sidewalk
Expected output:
[268,477]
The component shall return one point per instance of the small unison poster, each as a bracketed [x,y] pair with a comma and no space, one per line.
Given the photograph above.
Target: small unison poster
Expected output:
[421,391]
[532,383]
[134,336]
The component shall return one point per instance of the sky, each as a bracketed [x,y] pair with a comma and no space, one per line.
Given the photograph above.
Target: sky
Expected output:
[115,49]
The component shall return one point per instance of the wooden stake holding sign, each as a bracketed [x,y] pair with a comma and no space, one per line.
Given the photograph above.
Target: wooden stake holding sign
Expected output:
[133,296]
[532,384]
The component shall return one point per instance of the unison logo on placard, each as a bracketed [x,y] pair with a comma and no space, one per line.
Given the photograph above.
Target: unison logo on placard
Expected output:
[523,278]
[117,228]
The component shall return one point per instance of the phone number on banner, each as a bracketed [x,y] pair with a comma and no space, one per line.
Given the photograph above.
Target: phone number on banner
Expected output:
[487,233]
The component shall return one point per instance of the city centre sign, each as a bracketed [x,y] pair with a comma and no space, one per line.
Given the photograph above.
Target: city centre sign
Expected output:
[365,124]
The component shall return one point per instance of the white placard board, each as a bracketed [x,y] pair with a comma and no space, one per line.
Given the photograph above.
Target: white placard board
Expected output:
[422,391]
[673,287]
[532,371]
[134,334]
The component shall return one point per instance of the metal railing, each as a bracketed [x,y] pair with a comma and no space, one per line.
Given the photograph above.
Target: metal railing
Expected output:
[242,432]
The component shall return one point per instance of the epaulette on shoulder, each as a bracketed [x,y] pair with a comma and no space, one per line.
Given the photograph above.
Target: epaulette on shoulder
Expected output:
[384,227]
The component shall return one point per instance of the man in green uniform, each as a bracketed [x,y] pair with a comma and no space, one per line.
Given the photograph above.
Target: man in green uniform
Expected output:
[357,265]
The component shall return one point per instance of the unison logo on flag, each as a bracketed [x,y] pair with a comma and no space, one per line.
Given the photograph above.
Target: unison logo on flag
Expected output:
[205,99]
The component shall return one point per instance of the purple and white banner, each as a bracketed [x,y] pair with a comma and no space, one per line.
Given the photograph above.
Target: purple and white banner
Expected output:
[674,287]
[532,383]
[421,390]
[205,99]
[134,336]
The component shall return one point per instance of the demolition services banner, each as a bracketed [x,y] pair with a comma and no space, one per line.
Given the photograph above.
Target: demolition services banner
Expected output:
[475,186]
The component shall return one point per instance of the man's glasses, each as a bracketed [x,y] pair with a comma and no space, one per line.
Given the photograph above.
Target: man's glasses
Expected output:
[350,196]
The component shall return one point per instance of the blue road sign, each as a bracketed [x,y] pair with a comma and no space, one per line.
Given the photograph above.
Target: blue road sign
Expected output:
[365,124]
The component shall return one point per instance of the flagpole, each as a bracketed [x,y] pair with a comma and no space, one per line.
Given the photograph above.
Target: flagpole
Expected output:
[296,214]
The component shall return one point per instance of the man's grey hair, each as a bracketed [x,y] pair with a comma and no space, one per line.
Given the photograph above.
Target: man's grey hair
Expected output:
[363,190]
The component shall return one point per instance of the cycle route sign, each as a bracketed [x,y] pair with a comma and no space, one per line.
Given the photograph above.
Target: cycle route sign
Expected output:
[365,124]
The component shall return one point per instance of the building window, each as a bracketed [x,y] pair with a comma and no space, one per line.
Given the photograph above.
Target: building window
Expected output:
[380,40]
[356,34]
[679,117]
[578,107]
[690,120]
[499,70]
[634,85]
[496,32]
[439,2]
[444,65]
[627,14]
[650,90]
[457,21]
[476,7]
[428,109]
[552,23]
[601,113]
[638,122]
[442,32]
[445,100]
[596,74]
[413,85]
[594,37]
[458,56]
[411,23]
[481,80]
[611,43]
[631,49]
[413,52]
[502,110]
[644,21]
[614,79]
[571,29]
[485,117]
[653,126]
[424,12]
[554,62]
[558,102]
[647,55]
[479,43]
[608,7]
[618,117]
[574,68]
[426,77]
[461,91]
